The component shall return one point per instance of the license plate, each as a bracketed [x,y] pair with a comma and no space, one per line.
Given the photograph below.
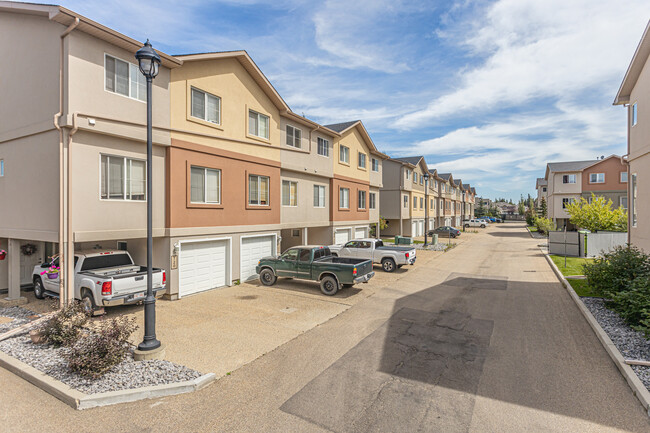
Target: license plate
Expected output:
[139,296]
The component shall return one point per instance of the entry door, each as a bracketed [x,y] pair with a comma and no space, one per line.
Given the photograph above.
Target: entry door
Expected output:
[27,263]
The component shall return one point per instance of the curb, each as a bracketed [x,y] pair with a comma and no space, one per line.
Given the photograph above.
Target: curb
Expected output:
[78,400]
[638,388]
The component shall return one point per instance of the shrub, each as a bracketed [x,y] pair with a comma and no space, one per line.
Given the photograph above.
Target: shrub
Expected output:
[105,347]
[597,215]
[633,305]
[616,270]
[544,225]
[530,217]
[64,328]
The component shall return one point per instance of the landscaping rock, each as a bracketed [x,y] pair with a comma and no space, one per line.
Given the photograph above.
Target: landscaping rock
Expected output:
[19,315]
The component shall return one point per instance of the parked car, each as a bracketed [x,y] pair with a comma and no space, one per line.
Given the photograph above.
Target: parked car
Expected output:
[102,278]
[445,232]
[390,258]
[474,223]
[315,263]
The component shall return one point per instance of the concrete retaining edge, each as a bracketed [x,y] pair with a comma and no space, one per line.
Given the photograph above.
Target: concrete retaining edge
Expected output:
[638,388]
[78,400]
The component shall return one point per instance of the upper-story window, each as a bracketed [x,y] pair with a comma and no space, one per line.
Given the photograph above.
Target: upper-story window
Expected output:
[294,136]
[633,200]
[206,106]
[372,200]
[566,201]
[415,202]
[433,204]
[421,203]
[344,198]
[319,196]
[406,201]
[408,174]
[344,154]
[123,178]
[2,167]
[258,124]
[622,202]
[421,179]
[124,78]
[205,185]
[362,200]
[375,164]
[323,147]
[634,114]
[624,177]
[362,160]
[289,193]
[415,177]
[569,178]
[543,189]
[596,177]
[435,184]
[258,190]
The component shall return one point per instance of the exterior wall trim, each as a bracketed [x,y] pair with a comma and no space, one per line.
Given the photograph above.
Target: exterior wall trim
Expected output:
[223,153]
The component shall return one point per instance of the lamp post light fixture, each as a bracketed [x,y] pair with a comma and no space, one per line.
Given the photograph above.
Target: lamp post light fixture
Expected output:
[426,207]
[149,62]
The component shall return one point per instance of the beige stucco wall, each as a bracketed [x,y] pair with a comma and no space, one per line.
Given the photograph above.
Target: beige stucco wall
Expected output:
[306,158]
[373,214]
[305,214]
[640,234]
[376,176]
[355,142]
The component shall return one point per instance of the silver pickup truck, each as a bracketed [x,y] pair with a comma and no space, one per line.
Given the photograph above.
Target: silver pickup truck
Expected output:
[102,278]
[390,258]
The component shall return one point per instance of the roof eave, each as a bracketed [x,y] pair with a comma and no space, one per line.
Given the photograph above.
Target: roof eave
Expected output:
[634,69]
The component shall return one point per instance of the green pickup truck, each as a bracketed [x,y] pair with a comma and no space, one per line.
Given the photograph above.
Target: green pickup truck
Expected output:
[315,263]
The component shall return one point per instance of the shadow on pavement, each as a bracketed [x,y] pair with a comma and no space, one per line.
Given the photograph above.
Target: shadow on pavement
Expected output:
[310,287]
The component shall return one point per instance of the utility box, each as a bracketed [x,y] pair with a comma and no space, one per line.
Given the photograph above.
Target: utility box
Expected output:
[402,240]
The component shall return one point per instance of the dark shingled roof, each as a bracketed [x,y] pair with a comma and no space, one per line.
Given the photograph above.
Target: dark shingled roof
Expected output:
[413,160]
[570,165]
[340,127]
[473,190]
[457,182]
[445,176]
[466,186]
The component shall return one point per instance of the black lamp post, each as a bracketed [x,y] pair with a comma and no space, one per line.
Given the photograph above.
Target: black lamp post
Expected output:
[149,61]
[426,207]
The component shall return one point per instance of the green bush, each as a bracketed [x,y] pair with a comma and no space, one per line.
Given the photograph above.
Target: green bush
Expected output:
[64,328]
[530,217]
[104,347]
[544,225]
[633,305]
[615,271]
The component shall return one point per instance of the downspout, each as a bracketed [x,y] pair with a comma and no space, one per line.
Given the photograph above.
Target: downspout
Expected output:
[70,240]
[57,116]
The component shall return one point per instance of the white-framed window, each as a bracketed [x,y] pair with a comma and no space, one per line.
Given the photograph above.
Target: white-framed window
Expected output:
[123,178]
[406,201]
[596,177]
[344,198]
[258,190]
[433,204]
[362,200]
[634,114]
[566,201]
[206,106]
[258,124]
[294,136]
[421,203]
[323,147]
[622,202]
[374,164]
[205,185]
[633,201]
[124,78]
[415,177]
[544,189]
[569,178]
[362,160]
[421,179]
[289,193]
[2,167]
[435,184]
[408,174]
[319,196]
[415,202]
[344,154]
[372,200]
[295,233]
[624,177]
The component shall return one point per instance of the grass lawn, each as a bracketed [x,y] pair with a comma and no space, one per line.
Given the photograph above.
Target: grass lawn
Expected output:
[581,287]
[573,264]
[392,240]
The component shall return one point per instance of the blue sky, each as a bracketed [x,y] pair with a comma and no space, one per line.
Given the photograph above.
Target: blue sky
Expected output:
[489,90]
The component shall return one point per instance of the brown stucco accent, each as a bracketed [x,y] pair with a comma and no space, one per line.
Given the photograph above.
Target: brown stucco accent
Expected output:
[235,168]
[354,185]
[612,167]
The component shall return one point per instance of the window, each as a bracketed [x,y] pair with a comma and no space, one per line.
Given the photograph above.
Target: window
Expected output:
[258,190]
[319,196]
[323,147]
[362,200]
[344,154]
[124,78]
[344,198]
[569,178]
[435,183]
[633,195]
[597,178]
[205,185]
[375,164]
[304,256]
[2,167]
[362,160]
[415,202]
[421,203]
[406,201]
[566,201]
[290,255]
[294,135]
[289,193]
[433,204]
[123,178]
[421,179]
[295,233]
[258,124]
[622,202]
[634,114]
[206,106]
[372,201]
[408,174]
[415,177]
[544,189]
[624,177]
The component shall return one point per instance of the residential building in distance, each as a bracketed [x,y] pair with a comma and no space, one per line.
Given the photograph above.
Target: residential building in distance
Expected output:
[634,94]
[541,186]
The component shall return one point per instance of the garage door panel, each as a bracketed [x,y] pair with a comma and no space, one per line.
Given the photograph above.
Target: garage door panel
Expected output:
[202,266]
[341,236]
[252,250]
[360,232]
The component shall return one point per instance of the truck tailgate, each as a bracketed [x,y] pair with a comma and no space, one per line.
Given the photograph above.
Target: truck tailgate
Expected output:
[364,268]
[136,282]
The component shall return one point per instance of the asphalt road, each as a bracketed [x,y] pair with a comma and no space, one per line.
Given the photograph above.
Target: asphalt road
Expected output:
[480,339]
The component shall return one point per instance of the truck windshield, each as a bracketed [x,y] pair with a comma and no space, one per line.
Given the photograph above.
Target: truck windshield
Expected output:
[106,261]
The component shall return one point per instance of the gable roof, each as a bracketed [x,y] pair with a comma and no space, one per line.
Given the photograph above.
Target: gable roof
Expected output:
[444,176]
[541,182]
[473,190]
[343,127]
[570,166]
[634,69]
[413,160]
[466,186]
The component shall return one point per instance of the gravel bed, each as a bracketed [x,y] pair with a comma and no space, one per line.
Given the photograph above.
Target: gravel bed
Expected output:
[632,344]
[19,314]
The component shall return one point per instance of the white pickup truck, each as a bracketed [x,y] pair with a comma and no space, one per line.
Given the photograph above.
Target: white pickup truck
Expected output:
[102,278]
[390,258]
[474,223]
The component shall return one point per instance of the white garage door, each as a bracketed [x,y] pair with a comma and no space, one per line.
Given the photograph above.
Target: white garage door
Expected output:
[252,250]
[341,236]
[360,232]
[414,229]
[202,266]
[421,228]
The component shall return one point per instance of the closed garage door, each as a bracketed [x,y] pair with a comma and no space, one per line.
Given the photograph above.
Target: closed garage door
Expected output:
[414,228]
[202,266]
[341,236]
[360,232]
[421,228]
[252,250]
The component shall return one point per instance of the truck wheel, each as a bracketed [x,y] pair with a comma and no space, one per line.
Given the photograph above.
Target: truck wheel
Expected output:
[453,236]
[329,286]
[88,302]
[334,255]
[267,277]
[482,226]
[388,264]
[467,226]
[39,291]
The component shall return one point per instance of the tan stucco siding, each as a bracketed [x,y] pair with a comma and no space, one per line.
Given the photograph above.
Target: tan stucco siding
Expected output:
[355,142]
[305,214]
[640,234]
[306,158]
[374,213]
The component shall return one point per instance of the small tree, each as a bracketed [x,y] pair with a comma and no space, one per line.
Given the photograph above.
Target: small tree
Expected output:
[597,215]
[544,207]
[544,225]
[521,207]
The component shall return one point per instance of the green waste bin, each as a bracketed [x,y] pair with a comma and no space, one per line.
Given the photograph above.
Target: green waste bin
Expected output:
[434,238]
[402,240]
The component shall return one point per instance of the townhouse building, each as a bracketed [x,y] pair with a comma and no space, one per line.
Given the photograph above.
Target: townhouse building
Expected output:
[541,186]
[634,94]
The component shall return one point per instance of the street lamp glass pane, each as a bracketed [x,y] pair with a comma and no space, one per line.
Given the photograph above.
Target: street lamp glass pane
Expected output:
[145,65]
